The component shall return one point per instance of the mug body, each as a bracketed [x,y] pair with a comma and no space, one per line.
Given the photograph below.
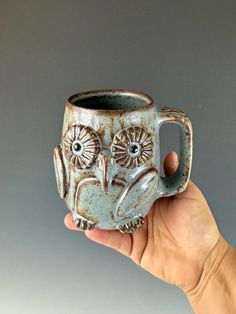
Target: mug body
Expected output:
[108,163]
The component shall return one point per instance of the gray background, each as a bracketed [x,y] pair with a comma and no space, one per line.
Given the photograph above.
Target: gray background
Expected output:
[182,53]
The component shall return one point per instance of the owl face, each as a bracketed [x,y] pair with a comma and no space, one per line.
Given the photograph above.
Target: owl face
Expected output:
[130,148]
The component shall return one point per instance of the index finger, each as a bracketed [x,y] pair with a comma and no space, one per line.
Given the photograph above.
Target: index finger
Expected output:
[69,223]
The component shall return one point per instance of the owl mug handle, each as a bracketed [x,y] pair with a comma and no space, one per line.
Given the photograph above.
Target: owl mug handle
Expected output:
[177,182]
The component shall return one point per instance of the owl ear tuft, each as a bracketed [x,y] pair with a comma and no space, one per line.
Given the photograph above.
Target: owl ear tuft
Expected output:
[60,171]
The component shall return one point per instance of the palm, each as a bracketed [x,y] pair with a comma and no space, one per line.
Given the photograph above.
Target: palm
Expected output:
[178,233]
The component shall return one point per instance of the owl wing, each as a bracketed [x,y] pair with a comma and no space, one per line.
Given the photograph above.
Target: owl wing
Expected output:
[139,196]
[60,171]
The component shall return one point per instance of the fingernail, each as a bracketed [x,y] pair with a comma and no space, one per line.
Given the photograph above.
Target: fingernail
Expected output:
[175,157]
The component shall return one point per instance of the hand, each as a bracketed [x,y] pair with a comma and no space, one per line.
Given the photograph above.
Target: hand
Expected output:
[178,234]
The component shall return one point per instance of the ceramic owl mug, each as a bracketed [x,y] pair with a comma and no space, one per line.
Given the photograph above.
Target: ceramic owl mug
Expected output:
[108,163]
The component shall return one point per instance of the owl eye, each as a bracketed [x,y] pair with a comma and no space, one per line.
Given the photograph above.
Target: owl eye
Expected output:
[81,146]
[132,147]
[76,148]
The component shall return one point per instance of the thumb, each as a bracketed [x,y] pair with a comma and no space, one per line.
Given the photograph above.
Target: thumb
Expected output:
[171,163]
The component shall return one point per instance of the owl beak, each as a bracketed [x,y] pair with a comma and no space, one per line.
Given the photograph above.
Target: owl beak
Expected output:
[103,171]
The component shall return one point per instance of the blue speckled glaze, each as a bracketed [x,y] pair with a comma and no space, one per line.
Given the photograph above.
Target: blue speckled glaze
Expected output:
[107,193]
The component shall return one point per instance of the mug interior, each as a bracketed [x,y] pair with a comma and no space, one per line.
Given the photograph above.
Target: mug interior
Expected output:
[111,100]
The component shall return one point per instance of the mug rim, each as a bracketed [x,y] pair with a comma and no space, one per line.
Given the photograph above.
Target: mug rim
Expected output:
[101,92]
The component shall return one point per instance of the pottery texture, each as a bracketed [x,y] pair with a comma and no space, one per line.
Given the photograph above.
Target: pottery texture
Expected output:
[108,163]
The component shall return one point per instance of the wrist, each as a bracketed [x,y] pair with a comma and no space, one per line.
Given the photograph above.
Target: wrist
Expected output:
[215,290]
